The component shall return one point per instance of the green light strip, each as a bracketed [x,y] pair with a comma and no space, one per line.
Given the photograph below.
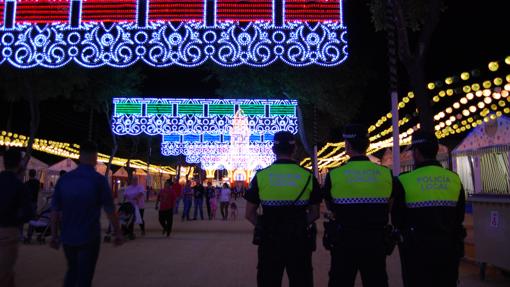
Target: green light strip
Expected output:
[190,109]
[251,110]
[221,109]
[159,109]
[128,109]
[280,110]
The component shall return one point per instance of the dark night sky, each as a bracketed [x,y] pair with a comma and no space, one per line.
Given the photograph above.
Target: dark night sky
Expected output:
[469,35]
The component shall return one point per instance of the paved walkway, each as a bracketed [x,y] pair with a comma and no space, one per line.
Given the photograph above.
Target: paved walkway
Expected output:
[199,253]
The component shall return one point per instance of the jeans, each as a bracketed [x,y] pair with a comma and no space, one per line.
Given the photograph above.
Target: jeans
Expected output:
[81,263]
[187,208]
[166,220]
[142,226]
[177,202]
[224,210]
[199,202]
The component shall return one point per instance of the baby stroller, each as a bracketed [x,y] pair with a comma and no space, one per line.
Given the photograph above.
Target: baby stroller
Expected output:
[126,213]
[41,226]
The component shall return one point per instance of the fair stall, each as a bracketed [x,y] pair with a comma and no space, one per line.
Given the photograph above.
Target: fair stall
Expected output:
[53,174]
[482,162]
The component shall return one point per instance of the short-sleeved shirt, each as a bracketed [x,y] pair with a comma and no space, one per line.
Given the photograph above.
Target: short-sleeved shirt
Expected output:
[280,212]
[360,215]
[135,195]
[33,186]
[199,191]
[167,199]
[14,197]
[225,194]
[79,196]
[435,220]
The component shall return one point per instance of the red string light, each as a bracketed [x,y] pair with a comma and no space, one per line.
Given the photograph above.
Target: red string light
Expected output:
[182,10]
[312,11]
[253,10]
[42,11]
[108,11]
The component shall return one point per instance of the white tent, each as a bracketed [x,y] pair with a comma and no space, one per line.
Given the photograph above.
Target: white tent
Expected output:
[406,158]
[53,172]
[482,158]
[66,165]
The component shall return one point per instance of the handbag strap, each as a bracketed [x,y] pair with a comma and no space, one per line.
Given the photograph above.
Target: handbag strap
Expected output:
[302,191]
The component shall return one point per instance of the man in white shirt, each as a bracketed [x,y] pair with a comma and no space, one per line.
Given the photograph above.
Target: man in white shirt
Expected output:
[135,194]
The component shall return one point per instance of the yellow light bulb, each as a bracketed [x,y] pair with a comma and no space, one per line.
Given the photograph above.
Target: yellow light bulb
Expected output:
[463,101]
[501,103]
[442,93]
[494,107]
[498,81]
[481,105]
[472,109]
[493,66]
[464,76]
[506,110]
[487,100]
[435,99]
[410,95]
[456,105]
[431,86]
[475,87]
[448,80]
[499,114]
[487,84]
[465,113]
[448,123]
[479,93]
[449,92]
[466,89]
[449,110]
[487,92]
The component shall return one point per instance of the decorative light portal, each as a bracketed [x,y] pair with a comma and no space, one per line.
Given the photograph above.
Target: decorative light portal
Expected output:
[162,33]
[231,134]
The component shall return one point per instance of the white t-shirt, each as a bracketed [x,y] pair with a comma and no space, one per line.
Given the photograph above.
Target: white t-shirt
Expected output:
[132,192]
[225,195]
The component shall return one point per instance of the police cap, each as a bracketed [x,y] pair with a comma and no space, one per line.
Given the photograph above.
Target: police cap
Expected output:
[353,132]
[423,138]
[284,138]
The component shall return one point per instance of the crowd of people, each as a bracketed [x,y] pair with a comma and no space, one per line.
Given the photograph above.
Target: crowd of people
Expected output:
[427,212]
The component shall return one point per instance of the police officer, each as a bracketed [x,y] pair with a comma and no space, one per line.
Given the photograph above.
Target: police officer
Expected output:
[429,211]
[290,198]
[358,194]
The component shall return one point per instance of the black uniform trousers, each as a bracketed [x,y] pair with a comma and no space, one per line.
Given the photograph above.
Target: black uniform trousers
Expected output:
[285,253]
[359,250]
[430,262]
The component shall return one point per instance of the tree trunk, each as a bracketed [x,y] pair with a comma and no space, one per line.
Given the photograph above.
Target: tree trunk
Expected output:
[416,72]
[33,102]
[91,121]
[114,138]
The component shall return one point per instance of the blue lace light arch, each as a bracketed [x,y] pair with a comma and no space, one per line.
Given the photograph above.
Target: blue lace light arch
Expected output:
[162,43]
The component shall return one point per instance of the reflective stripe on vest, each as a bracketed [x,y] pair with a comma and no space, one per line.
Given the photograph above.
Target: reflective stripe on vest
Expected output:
[280,185]
[360,182]
[431,186]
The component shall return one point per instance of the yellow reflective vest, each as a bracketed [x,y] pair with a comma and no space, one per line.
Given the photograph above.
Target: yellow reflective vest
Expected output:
[280,184]
[361,182]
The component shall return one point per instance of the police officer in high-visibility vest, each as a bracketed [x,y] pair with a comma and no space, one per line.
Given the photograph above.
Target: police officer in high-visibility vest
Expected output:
[290,198]
[358,194]
[429,211]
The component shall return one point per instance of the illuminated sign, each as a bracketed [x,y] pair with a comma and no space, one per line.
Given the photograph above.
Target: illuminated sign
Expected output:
[162,33]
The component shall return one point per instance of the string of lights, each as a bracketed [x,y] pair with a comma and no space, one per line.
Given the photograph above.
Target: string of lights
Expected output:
[492,98]
[68,150]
